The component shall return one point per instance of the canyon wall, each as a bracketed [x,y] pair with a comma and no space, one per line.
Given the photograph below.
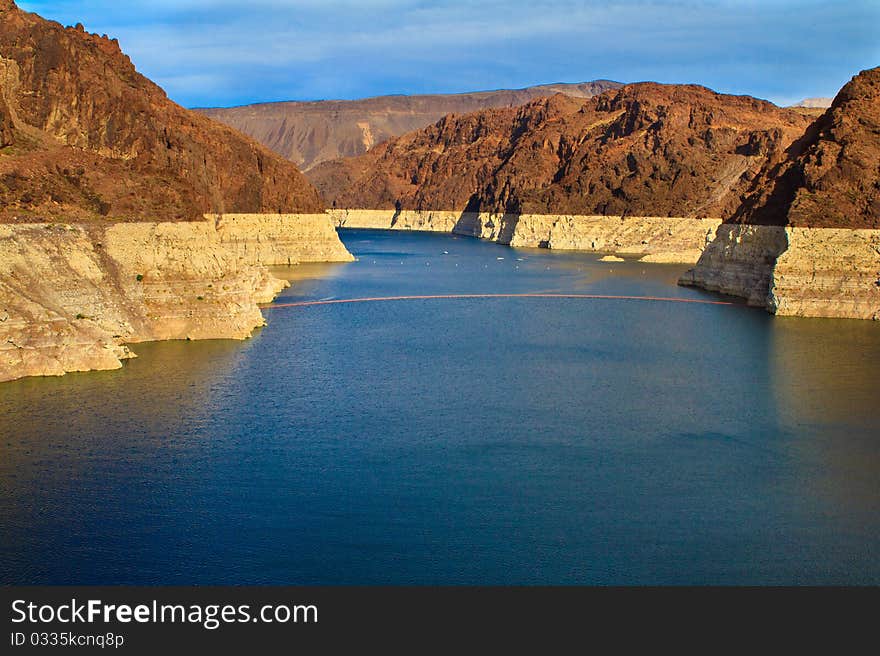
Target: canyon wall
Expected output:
[72,295]
[96,139]
[792,271]
[804,241]
[643,150]
[652,239]
[739,262]
[280,239]
[308,133]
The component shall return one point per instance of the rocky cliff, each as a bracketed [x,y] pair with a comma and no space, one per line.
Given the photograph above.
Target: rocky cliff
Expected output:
[308,133]
[72,295]
[94,138]
[643,150]
[280,239]
[806,239]
[647,170]
[651,239]
[104,183]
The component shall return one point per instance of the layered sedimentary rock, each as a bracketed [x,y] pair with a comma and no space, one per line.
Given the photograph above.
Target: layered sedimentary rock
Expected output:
[94,138]
[72,295]
[280,239]
[308,133]
[740,261]
[805,240]
[652,239]
[806,272]
[828,272]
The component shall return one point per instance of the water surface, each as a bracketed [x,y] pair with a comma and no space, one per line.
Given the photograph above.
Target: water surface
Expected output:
[458,441]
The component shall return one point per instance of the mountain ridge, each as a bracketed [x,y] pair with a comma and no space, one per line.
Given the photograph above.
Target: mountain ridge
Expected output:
[309,132]
[85,135]
[644,149]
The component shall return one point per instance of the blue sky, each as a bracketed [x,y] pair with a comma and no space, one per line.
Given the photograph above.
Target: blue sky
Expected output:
[224,52]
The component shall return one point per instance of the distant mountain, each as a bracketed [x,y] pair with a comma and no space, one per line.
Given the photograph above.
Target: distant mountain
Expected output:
[84,135]
[814,107]
[645,149]
[308,133]
[823,103]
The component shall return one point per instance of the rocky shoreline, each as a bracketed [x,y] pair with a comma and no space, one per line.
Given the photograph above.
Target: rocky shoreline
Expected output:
[803,272]
[790,271]
[651,239]
[72,296]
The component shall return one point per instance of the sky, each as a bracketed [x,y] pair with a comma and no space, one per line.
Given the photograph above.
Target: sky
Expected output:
[224,52]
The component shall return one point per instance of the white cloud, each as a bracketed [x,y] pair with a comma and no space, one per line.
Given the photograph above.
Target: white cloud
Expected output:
[232,51]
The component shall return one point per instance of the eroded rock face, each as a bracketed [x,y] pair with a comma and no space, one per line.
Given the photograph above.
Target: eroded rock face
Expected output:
[96,138]
[72,295]
[280,239]
[308,133]
[739,262]
[829,178]
[7,135]
[806,242]
[804,272]
[827,272]
[652,239]
[643,150]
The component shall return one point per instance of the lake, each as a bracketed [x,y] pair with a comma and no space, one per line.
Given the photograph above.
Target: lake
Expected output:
[459,441]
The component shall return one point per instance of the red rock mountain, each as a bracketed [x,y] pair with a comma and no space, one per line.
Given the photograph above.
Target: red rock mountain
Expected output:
[84,135]
[7,131]
[645,149]
[830,177]
[308,133]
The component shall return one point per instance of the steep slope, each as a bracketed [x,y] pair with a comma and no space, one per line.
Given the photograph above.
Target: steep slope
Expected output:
[7,131]
[831,177]
[806,240]
[643,150]
[96,138]
[308,133]
[97,169]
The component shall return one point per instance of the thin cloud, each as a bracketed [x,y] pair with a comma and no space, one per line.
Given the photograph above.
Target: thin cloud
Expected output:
[220,52]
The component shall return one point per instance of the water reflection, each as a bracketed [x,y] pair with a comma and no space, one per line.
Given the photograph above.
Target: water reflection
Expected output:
[826,377]
[825,370]
[480,441]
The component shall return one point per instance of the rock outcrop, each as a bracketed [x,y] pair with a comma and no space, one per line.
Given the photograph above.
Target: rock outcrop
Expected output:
[643,150]
[94,138]
[104,183]
[308,133]
[280,239]
[73,295]
[806,240]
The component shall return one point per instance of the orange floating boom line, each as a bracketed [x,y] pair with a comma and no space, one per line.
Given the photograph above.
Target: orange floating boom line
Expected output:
[609,297]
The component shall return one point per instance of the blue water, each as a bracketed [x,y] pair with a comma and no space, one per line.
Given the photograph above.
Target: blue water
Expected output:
[498,441]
